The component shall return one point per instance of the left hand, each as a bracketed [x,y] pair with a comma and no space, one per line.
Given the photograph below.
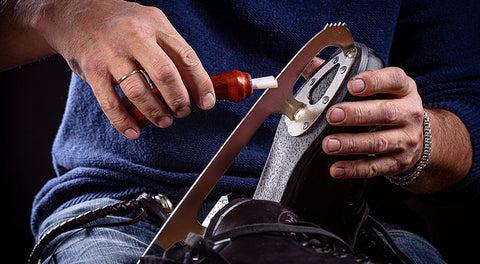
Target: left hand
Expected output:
[398,145]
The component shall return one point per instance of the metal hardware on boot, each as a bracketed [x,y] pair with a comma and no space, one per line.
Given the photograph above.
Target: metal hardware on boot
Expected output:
[296,173]
[287,150]
[316,96]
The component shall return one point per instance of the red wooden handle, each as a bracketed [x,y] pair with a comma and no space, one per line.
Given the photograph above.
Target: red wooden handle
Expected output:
[233,86]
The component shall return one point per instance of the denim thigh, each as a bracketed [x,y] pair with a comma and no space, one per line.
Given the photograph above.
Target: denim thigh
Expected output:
[417,248]
[113,245]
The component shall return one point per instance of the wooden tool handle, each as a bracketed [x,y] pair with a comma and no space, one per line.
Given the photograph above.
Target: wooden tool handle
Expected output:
[233,86]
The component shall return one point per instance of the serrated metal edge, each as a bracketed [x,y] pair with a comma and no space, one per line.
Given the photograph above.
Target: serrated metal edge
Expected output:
[337,24]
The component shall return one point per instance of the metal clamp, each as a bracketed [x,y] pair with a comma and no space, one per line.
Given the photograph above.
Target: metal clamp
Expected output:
[312,109]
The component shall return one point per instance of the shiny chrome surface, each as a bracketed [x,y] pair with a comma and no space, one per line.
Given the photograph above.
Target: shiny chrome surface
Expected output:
[309,113]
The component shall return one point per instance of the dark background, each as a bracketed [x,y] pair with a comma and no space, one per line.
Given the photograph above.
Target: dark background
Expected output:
[33,100]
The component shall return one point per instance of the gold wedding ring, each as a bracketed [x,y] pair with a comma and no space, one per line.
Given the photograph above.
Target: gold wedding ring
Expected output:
[142,72]
[128,75]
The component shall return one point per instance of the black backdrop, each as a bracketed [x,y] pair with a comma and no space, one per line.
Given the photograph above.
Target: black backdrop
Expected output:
[32,102]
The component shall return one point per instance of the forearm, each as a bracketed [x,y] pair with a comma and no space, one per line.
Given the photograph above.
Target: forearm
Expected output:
[451,156]
[19,42]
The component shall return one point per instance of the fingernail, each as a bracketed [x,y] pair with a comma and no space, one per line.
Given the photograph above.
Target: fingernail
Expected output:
[338,172]
[357,85]
[336,115]
[333,145]
[208,101]
[165,121]
[183,112]
[131,133]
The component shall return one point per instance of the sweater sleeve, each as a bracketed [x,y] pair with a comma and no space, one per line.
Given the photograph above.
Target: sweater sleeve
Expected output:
[438,44]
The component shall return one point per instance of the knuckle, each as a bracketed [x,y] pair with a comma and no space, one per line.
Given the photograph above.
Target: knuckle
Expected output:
[154,112]
[372,170]
[410,83]
[402,162]
[205,84]
[412,142]
[417,114]
[156,12]
[351,145]
[374,80]
[178,102]
[119,121]
[379,144]
[359,115]
[354,171]
[189,58]
[134,90]
[116,52]
[109,105]
[94,67]
[133,28]
[136,94]
[400,80]
[398,75]
[165,73]
[391,112]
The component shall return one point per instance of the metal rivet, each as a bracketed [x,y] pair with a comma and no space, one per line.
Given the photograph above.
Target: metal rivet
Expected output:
[351,52]
[164,202]
[305,125]
[312,81]
[325,99]
[335,60]
[343,69]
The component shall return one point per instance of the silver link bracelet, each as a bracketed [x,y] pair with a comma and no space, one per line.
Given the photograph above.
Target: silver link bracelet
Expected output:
[412,174]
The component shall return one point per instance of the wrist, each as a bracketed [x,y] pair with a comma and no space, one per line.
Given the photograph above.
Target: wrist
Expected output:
[451,155]
[47,18]
[41,16]
[20,42]
[409,176]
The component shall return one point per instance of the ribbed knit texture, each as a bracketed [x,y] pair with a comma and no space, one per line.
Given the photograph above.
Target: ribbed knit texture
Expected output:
[437,44]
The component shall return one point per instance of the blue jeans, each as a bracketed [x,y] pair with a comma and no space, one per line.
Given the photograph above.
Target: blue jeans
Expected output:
[122,245]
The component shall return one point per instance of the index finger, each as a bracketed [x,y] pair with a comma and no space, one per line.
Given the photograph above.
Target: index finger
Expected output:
[164,75]
[390,80]
[194,75]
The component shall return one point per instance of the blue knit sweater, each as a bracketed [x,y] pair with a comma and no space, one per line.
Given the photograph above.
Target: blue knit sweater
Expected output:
[438,44]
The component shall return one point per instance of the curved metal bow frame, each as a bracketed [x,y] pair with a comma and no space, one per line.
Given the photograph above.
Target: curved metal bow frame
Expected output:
[183,220]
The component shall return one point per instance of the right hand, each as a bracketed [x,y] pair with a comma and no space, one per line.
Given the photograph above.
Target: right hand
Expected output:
[105,40]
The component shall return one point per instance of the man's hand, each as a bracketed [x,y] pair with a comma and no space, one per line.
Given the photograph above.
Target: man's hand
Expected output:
[104,40]
[398,145]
